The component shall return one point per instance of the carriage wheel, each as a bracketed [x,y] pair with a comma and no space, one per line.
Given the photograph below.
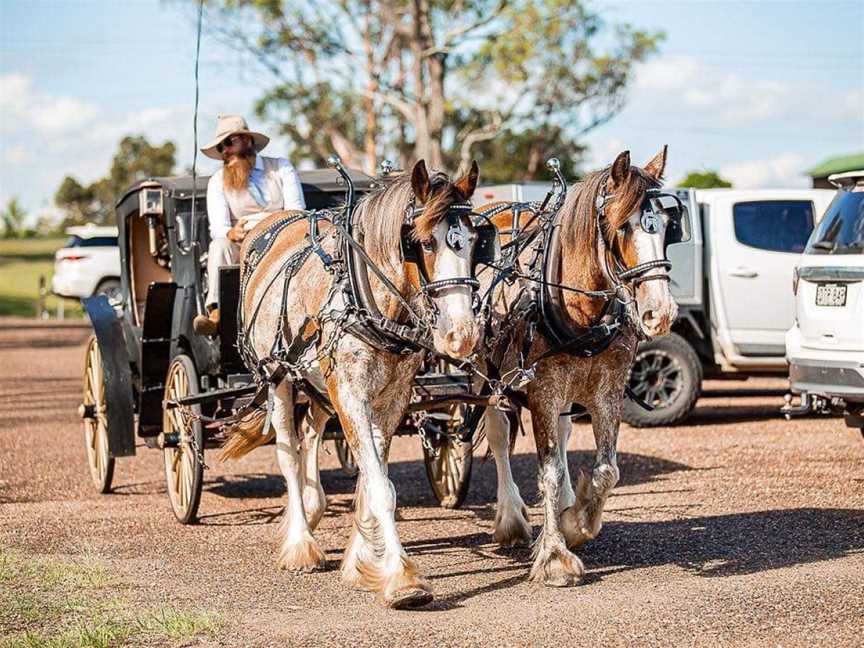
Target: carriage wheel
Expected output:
[447,457]
[346,458]
[94,420]
[184,472]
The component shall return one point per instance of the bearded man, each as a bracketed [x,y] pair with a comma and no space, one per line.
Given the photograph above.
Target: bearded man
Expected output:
[248,188]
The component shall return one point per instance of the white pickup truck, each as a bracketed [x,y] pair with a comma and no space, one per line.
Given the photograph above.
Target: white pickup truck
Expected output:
[733,284]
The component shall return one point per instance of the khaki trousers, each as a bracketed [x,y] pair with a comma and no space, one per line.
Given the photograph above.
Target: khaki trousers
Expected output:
[221,252]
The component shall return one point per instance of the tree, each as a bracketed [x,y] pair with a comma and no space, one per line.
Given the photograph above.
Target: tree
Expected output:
[433,79]
[704,180]
[136,159]
[77,201]
[13,219]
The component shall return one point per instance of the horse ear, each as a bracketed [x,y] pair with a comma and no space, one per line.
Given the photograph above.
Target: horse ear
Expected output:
[657,164]
[420,181]
[621,168]
[467,183]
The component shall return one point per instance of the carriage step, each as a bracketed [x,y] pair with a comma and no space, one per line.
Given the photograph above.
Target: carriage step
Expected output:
[210,396]
[442,384]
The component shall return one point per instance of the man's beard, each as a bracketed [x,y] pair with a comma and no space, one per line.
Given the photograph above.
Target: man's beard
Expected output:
[235,176]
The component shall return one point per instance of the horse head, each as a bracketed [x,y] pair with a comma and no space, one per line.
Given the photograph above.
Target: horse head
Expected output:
[637,222]
[444,241]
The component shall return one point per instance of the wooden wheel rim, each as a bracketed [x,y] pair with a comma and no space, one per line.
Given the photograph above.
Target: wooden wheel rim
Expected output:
[449,466]
[181,463]
[96,428]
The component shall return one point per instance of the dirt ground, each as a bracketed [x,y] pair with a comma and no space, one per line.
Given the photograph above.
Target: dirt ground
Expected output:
[737,529]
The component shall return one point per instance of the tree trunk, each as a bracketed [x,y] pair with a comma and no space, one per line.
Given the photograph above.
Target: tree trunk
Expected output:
[372,83]
[422,150]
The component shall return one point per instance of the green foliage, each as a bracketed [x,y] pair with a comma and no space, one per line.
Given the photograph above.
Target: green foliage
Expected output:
[78,602]
[512,156]
[13,220]
[135,160]
[437,79]
[22,262]
[704,180]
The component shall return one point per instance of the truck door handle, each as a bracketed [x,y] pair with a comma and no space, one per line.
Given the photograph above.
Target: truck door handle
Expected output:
[743,271]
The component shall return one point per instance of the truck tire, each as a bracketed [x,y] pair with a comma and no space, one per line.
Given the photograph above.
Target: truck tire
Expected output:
[667,374]
[109,287]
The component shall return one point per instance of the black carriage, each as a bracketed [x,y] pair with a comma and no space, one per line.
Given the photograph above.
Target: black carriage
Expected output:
[145,359]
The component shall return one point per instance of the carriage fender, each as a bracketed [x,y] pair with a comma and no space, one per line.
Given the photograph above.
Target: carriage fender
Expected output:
[116,372]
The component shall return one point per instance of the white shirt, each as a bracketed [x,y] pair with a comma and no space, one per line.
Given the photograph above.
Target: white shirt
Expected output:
[218,213]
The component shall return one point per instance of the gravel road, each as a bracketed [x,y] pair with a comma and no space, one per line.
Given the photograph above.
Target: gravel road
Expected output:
[737,529]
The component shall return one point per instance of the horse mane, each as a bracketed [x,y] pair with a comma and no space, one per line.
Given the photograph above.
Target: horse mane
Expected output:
[578,232]
[381,212]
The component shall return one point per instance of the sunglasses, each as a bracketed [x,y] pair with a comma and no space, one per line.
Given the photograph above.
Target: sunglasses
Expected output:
[229,141]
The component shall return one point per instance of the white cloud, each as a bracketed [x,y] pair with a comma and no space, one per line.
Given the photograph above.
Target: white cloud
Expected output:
[23,106]
[683,82]
[603,154]
[70,136]
[780,171]
[17,154]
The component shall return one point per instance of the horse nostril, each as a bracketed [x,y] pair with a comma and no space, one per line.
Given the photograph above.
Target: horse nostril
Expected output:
[648,318]
[458,343]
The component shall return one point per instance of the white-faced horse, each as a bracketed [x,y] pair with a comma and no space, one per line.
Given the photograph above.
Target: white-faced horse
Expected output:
[368,386]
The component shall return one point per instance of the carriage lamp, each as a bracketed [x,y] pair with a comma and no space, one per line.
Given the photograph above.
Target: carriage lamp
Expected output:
[150,206]
[150,202]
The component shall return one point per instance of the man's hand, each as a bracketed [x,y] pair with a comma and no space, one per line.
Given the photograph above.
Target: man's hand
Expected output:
[238,232]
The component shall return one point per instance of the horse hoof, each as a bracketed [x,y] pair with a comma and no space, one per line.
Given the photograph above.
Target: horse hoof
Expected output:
[302,557]
[561,569]
[512,529]
[408,598]
[577,529]
[574,527]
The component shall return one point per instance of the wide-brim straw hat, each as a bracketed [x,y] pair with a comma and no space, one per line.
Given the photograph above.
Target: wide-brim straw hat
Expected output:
[227,125]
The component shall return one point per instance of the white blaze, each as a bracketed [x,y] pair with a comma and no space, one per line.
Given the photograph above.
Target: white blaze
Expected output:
[455,333]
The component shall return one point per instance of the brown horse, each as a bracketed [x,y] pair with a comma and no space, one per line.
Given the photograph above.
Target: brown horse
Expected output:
[597,382]
[369,388]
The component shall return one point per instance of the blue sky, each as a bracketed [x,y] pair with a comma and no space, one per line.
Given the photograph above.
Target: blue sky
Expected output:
[759,90]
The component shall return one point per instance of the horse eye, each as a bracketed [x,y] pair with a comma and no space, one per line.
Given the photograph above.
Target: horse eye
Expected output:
[428,245]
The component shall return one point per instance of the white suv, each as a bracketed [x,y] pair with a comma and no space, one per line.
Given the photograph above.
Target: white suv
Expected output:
[825,347]
[89,263]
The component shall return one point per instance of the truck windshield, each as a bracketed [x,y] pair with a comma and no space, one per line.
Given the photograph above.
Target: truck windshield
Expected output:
[842,228]
[93,241]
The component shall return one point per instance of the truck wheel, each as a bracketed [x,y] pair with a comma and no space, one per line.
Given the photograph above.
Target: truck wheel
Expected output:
[110,288]
[666,374]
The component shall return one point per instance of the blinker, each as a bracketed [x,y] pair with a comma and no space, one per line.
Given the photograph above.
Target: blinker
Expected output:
[455,238]
[659,205]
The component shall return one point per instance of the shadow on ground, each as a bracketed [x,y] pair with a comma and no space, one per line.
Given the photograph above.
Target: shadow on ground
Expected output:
[412,487]
[709,546]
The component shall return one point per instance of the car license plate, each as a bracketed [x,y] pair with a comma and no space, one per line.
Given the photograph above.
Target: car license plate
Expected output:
[830,295]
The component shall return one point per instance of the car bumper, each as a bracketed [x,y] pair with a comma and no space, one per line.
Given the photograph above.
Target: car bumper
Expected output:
[824,372]
[71,284]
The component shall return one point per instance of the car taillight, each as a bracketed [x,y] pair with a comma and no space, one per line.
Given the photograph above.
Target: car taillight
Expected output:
[74,257]
[795,276]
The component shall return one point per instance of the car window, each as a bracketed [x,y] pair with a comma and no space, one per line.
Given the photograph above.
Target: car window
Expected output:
[841,230]
[775,225]
[94,241]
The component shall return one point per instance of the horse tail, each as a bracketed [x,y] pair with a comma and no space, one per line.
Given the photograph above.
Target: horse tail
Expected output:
[246,435]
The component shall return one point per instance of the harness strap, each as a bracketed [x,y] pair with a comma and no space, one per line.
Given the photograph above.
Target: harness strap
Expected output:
[378,273]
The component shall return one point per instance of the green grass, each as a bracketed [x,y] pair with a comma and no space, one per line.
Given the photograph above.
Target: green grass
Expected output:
[79,603]
[22,261]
